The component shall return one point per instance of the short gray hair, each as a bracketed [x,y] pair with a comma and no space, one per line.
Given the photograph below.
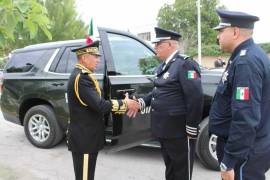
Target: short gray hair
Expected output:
[246,32]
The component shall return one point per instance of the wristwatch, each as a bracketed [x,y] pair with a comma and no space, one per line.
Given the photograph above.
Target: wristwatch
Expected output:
[223,167]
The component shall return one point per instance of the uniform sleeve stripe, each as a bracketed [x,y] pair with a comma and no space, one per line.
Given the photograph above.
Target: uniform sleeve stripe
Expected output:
[195,131]
[191,131]
[115,105]
[194,134]
[119,107]
[142,104]
[191,128]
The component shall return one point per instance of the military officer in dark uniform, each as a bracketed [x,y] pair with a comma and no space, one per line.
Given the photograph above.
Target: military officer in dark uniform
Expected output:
[85,135]
[240,114]
[176,105]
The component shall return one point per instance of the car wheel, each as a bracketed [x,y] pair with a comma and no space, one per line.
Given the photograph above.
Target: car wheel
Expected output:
[206,148]
[41,127]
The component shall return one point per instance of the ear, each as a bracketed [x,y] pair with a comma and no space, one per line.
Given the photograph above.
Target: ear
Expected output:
[82,59]
[236,32]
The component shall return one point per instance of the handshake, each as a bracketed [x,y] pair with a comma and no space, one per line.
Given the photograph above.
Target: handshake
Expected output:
[133,106]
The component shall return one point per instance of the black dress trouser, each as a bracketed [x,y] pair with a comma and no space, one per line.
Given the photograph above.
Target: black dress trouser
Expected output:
[84,165]
[178,155]
[252,168]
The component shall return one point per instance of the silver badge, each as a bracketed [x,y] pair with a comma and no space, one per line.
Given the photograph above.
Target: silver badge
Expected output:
[166,75]
[225,76]
[243,52]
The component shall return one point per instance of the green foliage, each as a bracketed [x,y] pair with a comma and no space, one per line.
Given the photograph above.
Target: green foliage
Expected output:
[3,62]
[182,17]
[65,21]
[63,24]
[207,50]
[266,47]
[21,16]
[148,65]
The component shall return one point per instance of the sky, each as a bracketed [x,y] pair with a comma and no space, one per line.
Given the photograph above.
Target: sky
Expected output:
[140,15]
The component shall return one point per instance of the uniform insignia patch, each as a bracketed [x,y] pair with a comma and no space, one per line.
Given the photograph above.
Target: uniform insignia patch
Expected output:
[242,93]
[225,77]
[192,75]
[166,75]
[243,52]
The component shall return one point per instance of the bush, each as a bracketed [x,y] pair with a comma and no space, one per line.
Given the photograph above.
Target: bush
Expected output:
[207,50]
[266,47]
[3,61]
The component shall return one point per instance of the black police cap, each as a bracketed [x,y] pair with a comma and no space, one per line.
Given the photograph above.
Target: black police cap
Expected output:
[163,34]
[235,19]
[88,49]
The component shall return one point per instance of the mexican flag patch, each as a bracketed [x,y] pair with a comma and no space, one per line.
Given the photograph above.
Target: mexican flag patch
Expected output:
[242,93]
[192,75]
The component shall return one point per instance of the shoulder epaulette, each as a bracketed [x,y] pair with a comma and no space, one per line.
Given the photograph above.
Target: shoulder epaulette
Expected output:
[85,71]
[185,57]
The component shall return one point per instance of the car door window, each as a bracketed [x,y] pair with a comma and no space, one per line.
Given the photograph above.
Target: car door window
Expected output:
[68,61]
[130,56]
[25,61]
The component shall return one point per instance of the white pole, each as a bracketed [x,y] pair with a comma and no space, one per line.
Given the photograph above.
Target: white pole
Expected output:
[199,32]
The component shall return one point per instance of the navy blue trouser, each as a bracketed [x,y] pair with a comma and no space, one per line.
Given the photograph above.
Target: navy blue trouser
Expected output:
[254,168]
[178,157]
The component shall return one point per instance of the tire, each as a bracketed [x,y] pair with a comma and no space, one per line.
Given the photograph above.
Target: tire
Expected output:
[206,148]
[41,127]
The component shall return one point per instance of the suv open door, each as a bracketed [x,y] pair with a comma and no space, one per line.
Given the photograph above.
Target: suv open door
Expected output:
[130,64]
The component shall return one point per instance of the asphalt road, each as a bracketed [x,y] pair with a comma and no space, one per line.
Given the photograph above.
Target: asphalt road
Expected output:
[19,160]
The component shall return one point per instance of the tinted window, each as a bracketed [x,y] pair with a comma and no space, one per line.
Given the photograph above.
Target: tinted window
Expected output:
[25,61]
[68,61]
[130,56]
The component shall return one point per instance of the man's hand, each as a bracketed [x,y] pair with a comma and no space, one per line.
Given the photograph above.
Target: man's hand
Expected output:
[227,175]
[133,106]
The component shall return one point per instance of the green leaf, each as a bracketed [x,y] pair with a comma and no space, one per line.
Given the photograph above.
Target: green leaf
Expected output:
[12,21]
[41,19]
[38,8]
[8,34]
[32,27]
[47,33]
[5,3]
[23,6]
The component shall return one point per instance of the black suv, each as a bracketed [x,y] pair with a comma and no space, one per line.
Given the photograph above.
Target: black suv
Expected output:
[34,91]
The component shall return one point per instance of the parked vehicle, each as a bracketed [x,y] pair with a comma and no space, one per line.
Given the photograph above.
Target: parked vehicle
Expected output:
[34,91]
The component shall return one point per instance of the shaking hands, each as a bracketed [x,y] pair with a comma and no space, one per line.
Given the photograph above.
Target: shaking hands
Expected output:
[133,106]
